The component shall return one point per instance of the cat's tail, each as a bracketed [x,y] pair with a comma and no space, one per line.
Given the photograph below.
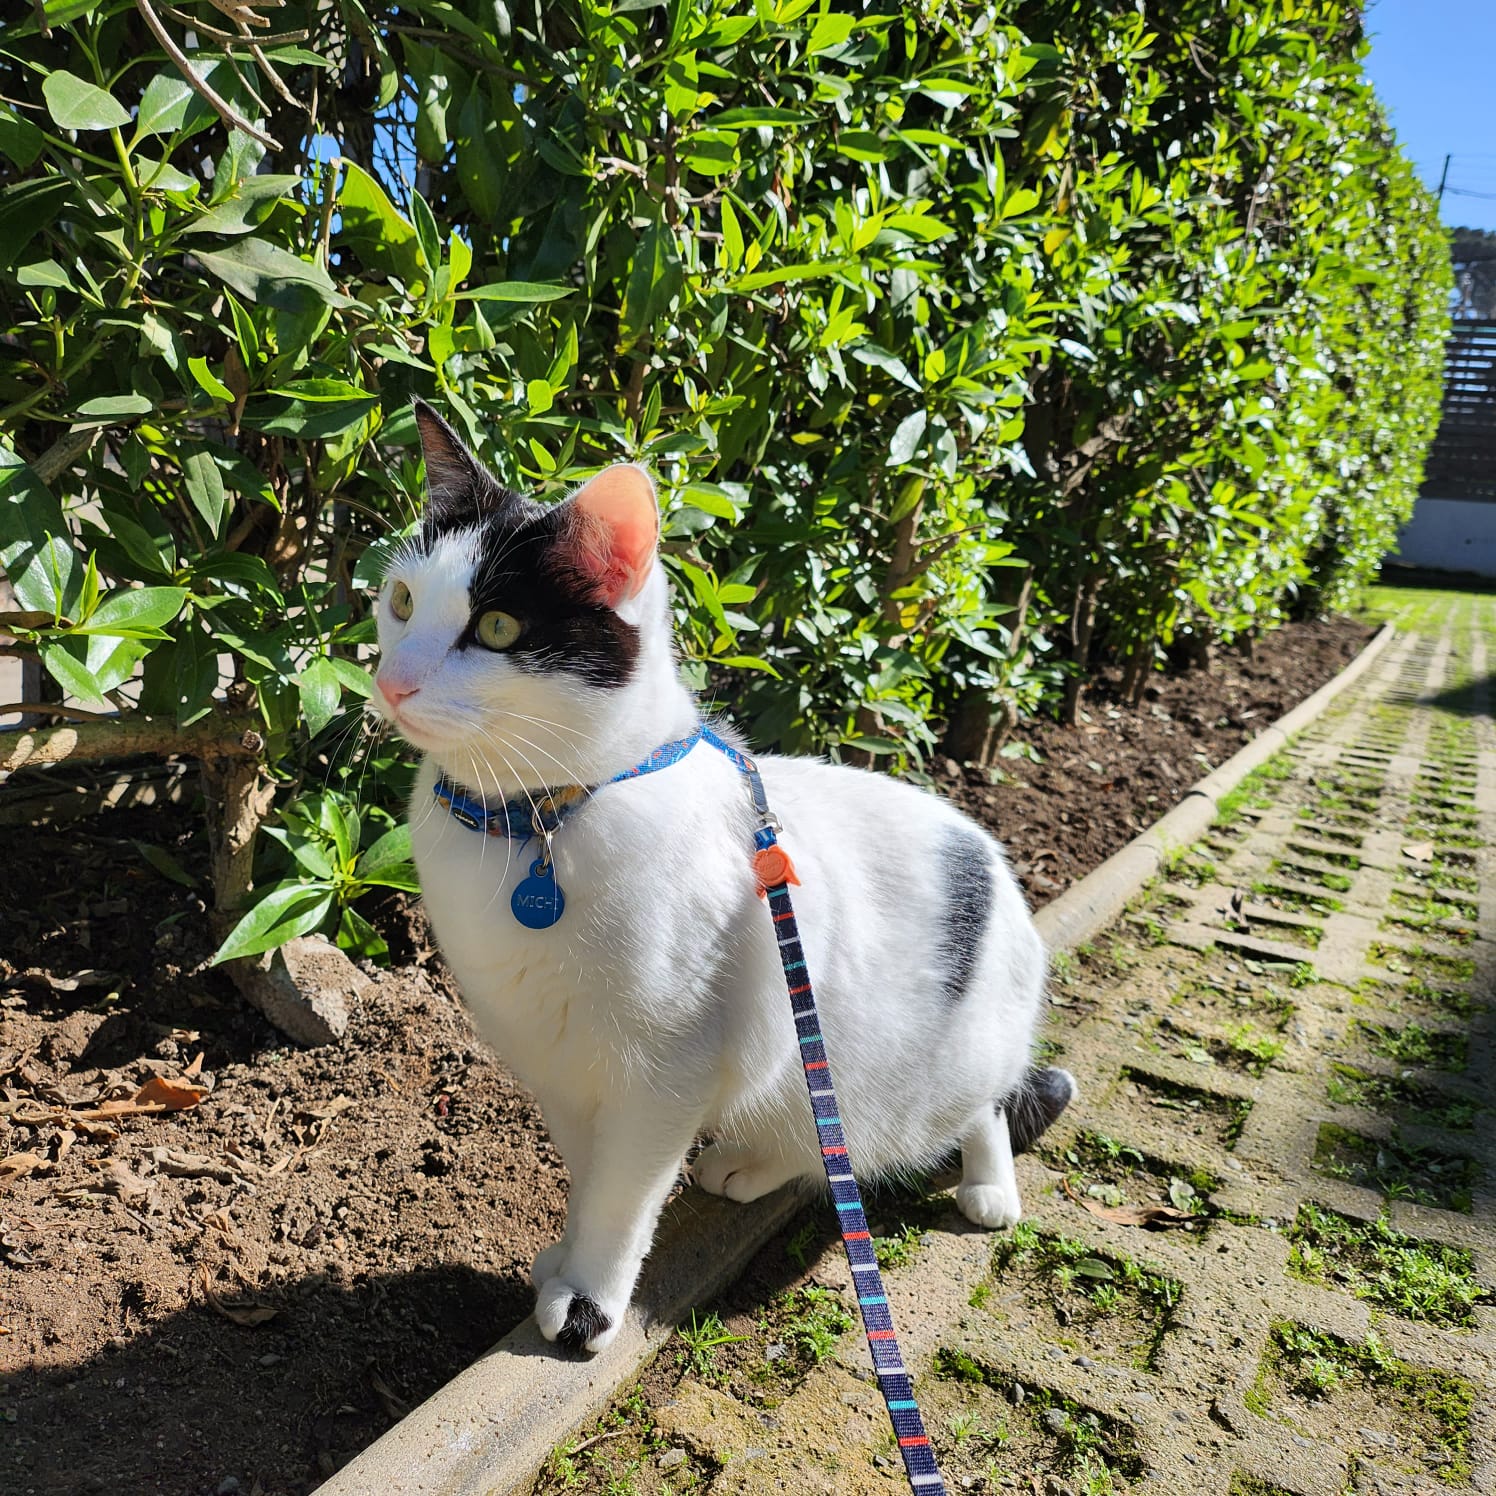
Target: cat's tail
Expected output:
[1044,1092]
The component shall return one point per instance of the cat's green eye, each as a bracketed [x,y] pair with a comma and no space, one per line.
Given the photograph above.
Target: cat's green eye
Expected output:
[498,630]
[402,605]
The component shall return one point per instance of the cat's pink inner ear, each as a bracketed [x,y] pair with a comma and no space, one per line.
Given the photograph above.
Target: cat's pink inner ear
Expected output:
[613,531]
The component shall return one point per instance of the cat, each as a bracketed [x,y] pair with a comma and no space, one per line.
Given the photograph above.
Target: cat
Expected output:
[526,647]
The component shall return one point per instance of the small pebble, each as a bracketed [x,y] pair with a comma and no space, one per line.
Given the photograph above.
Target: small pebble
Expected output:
[1084,1362]
[776,1351]
[1016,1394]
[672,1458]
[228,1486]
[1056,1420]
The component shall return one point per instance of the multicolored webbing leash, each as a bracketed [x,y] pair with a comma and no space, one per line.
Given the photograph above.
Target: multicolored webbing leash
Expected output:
[775,873]
[521,820]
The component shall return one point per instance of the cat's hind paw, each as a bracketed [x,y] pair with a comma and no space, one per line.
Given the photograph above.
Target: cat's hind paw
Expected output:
[735,1172]
[989,1205]
[574,1320]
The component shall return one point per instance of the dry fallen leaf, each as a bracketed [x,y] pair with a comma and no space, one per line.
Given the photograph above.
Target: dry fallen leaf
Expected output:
[195,1068]
[183,1165]
[18,1165]
[246,1312]
[1419,852]
[1159,1216]
[158,1094]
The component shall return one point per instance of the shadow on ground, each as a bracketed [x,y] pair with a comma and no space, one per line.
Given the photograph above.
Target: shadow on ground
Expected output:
[157,1408]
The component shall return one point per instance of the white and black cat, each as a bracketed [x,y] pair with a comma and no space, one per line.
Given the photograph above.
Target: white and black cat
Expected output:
[527,647]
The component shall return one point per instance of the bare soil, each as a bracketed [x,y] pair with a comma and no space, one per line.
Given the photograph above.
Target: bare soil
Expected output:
[238,1296]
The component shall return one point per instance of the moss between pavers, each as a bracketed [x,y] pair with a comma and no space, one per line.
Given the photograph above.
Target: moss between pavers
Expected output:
[1398,1099]
[1204,1113]
[1399,1170]
[1243,1484]
[1332,1389]
[1053,1288]
[1418,1280]
[985,1424]
[1111,1172]
[1413,1045]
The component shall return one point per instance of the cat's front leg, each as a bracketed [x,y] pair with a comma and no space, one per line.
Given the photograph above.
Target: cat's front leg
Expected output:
[570,1128]
[632,1163]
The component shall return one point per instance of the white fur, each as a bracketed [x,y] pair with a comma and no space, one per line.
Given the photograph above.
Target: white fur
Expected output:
[656,1010]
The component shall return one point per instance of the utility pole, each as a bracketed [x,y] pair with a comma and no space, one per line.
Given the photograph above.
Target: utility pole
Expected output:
[1444,176]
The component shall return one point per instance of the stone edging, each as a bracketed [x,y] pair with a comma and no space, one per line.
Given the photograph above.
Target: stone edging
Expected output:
[488,1430]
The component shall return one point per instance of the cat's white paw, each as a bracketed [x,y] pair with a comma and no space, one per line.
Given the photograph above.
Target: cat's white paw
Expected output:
[548,1262]
[989,1205]
[734,1172]
[573,1319]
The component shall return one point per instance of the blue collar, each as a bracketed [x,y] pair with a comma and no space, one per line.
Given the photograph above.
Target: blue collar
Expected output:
[543,813]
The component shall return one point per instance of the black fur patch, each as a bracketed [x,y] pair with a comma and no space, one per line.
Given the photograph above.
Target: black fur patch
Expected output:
[1036,1104]
[966,873]
[583,1320]
[521,568]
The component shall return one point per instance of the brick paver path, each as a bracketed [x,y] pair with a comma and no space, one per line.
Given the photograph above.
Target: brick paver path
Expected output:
[1285,1058]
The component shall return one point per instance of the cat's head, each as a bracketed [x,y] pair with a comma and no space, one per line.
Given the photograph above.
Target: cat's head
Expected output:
[511,627]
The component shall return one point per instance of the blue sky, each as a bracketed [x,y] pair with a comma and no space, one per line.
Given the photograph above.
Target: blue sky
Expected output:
[1432,63]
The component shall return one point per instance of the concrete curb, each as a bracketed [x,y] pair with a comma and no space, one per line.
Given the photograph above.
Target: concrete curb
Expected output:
[1087,907]
[488,1430]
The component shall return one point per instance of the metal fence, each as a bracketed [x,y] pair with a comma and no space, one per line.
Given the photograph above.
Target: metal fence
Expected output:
[1462,461]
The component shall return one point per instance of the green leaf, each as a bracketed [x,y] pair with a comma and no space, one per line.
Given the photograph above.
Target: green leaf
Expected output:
[208,381]
[906,439]
[73,675]
[831,30]
[321,694]
[284,912]
[165,864]
[516,291]
[389,851]
[264,272]
[139,613]
[1094,1267]
[358,936]
[19,138]
[76,105]
[116,407]
[248,204]
[205,489]
[380,235]
[36,546]
[170,103]
[760,278]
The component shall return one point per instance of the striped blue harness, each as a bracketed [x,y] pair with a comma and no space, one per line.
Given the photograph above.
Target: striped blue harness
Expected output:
[888,1363]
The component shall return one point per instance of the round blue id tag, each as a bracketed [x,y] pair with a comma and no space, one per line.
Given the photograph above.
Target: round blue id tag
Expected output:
[537,901]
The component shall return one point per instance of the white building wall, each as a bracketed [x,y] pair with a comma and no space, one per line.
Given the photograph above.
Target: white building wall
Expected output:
[1450,535]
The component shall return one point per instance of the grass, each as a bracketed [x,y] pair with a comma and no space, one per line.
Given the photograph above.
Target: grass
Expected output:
[1417,1280]
[1400,1099]
[1414,1045]
[1089,1447]
[1408,962]
[899,1250]
[1098,1167]
[700,1341]
[1255,792]
[810,1320]
[1087,1287]
[1431,1405]
[1399,1170]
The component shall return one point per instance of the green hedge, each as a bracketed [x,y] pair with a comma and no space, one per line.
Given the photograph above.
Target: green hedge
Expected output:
[971,343]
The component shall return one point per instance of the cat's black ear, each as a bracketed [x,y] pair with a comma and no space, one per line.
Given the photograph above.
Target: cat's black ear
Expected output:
[457,484]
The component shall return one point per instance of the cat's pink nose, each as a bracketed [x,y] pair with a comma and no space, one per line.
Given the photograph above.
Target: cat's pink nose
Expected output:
[394,693]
